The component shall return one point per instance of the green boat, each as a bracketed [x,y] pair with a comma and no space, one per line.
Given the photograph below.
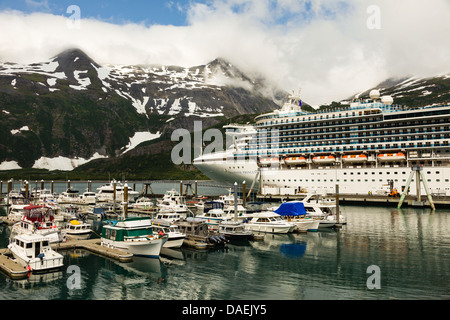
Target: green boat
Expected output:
[135,235]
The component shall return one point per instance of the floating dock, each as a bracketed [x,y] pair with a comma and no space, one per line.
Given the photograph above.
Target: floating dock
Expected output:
[16,271]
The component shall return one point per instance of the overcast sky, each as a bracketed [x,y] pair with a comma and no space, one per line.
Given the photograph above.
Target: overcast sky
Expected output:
[330,48]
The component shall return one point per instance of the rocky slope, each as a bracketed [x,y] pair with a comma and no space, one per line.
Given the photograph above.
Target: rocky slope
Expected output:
[62,113]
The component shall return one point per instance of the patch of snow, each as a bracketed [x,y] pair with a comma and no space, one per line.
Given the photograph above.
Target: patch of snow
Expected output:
[50,66]
[51,82]
[16,131]
[63,163]
[171,119]
[140,137]
[9,165]
[5,112]
[13,83]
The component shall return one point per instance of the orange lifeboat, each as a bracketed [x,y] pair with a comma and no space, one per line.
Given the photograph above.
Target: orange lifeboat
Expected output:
[324,159]
[269,161]
[295,160]
[356,158]
[392,156]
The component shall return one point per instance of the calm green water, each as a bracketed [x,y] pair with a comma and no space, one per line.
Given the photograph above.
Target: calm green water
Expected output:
[411,248]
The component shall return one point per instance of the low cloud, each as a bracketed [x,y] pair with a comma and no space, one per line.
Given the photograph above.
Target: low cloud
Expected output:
[325,47]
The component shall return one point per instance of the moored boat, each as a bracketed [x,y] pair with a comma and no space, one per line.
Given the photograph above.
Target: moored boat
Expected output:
[269,222]
[77,230]
[295,213]
[33,251]
[175,237]
[136,235]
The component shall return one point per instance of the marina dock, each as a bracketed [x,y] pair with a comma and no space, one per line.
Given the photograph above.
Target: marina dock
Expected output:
[16,271]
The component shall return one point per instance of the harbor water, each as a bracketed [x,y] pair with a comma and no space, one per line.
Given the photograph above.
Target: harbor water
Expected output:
[382,253]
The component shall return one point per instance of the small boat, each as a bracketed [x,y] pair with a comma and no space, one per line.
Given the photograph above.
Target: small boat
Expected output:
[135,235]
[213,214]
[143,203]
[171,216]
[106,192]
[295,213]
[77,230]
[172,202]
[88,197]
[68,196]
[234,230]
[33,251]
[324,159]
[176,237]
[39,220]
[198,234]
[269,222]
[355,158]
[392,157]
[295,160]
[97,213]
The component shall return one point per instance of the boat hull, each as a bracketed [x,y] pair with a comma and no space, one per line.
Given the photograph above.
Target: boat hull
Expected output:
[142,248]
[268,228]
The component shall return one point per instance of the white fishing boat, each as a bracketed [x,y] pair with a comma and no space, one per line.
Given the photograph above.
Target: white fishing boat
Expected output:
[172,202]
[77,230]
[176,237]
[88,197]
[213,214]
[234,230]
[39,220]
[135,235]
[171,216]
[33,251]
[295,212]
[269,222]
[106,192]
[143,203]
[68,196]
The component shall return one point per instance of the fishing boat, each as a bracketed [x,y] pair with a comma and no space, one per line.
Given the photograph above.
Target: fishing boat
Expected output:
[77,230]
[172,201]
[143,203]
[68,196]
[199,235]
[295,213]
[176,237]
[269,222]
[171,216]
[106,192]
[39,220]
[97,213]
[323,209]
[213,214]
[234,230]
[88,197]
[33,251]
[135,235]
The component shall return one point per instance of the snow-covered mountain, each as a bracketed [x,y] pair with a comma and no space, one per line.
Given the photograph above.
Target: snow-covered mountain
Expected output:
[76,110]
[415,91]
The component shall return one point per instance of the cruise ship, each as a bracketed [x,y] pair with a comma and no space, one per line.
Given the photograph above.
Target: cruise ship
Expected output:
[368,146]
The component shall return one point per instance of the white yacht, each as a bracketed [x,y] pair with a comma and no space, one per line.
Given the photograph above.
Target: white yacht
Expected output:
[362,146]
[87,198]
[68,196]
[136,235]
[105,193]
[77,230]
[143,203]
[172,202]
[39,220]
[214,216]
[175,236]
[33,251]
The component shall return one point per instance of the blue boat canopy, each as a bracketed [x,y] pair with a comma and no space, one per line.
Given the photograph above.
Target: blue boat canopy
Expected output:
[291,209]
